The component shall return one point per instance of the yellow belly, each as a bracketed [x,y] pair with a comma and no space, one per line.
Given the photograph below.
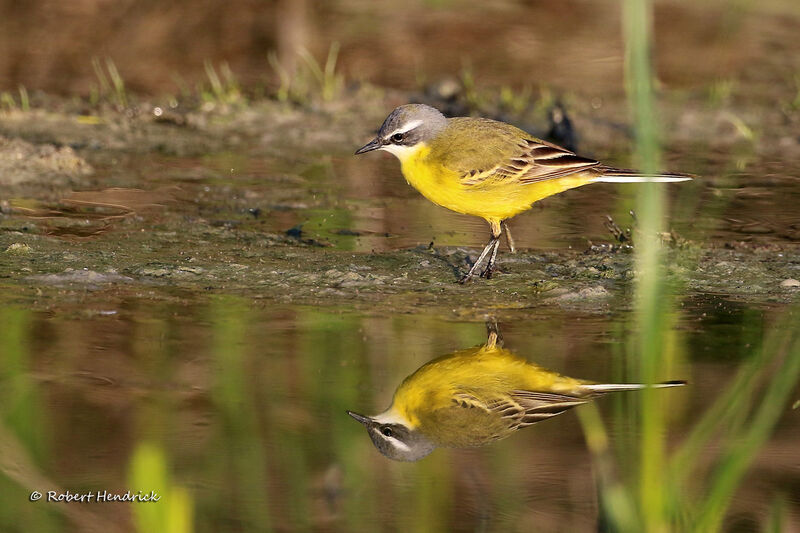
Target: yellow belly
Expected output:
[491,200]
[488,373]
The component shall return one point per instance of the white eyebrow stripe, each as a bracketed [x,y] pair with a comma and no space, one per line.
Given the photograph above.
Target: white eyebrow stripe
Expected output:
[408,127]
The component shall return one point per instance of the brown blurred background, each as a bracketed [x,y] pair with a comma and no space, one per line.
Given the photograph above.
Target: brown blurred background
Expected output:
[160,47]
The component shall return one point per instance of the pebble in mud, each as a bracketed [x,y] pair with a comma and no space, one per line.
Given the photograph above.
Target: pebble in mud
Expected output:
[587,293]
[21,162]
[790,283]
[88,277]
[19,248]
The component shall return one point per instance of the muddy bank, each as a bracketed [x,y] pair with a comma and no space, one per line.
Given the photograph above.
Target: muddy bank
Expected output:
[198,258]
[22,162]
[263,199]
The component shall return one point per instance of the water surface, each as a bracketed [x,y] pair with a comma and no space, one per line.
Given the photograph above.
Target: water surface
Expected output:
[245,403]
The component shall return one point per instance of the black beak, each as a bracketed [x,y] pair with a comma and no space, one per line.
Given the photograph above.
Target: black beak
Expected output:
[374,144]
[361,418]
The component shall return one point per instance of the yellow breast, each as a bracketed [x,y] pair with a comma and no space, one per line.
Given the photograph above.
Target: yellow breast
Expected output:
[434,181]
[491,200]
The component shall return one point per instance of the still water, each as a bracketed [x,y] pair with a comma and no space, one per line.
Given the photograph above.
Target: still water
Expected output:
[153,345]
[152,340]
[234,412]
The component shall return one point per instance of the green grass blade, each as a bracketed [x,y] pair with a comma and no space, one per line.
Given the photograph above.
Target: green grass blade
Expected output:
[617,503]
[741,451]
[734,400]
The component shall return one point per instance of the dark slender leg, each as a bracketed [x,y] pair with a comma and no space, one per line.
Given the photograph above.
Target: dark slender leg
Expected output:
[492,245]
[490,250]
[489,270]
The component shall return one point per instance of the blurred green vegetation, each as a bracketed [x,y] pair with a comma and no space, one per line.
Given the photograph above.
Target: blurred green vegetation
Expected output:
[310,80]
[24,428]
[232,408]
[110,85]
[661,490]
[222,89]
[149,474]
[695,489]
[9,103]
[260,441]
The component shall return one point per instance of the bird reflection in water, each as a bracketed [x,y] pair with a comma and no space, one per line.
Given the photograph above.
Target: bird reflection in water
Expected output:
[473,397]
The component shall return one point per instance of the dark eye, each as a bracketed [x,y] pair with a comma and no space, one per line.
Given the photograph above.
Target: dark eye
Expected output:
[386,431]
[397,137]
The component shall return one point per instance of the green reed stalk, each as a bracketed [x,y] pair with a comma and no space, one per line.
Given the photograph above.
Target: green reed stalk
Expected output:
[650,308]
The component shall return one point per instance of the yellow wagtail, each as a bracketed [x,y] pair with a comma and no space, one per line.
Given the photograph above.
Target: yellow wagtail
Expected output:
[473,397]
[487,168]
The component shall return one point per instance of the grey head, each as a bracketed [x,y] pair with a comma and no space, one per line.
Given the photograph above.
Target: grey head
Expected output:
[395,439]
[406,127]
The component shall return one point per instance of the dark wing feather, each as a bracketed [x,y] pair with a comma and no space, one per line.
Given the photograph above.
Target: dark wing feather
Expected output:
[532,161]
[548,161]
[484,152]
[520,408]
[539,406]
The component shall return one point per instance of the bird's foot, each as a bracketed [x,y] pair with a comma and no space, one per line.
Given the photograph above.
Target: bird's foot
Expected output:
[466,278]
[491,251]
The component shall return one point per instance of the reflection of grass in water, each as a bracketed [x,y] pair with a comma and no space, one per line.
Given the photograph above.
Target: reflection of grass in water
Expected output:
[328,344]
[21,427]
[736,422]
[149,472]
[20,410]
[782,352]
[149,466]
[661,498]
[242,458]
